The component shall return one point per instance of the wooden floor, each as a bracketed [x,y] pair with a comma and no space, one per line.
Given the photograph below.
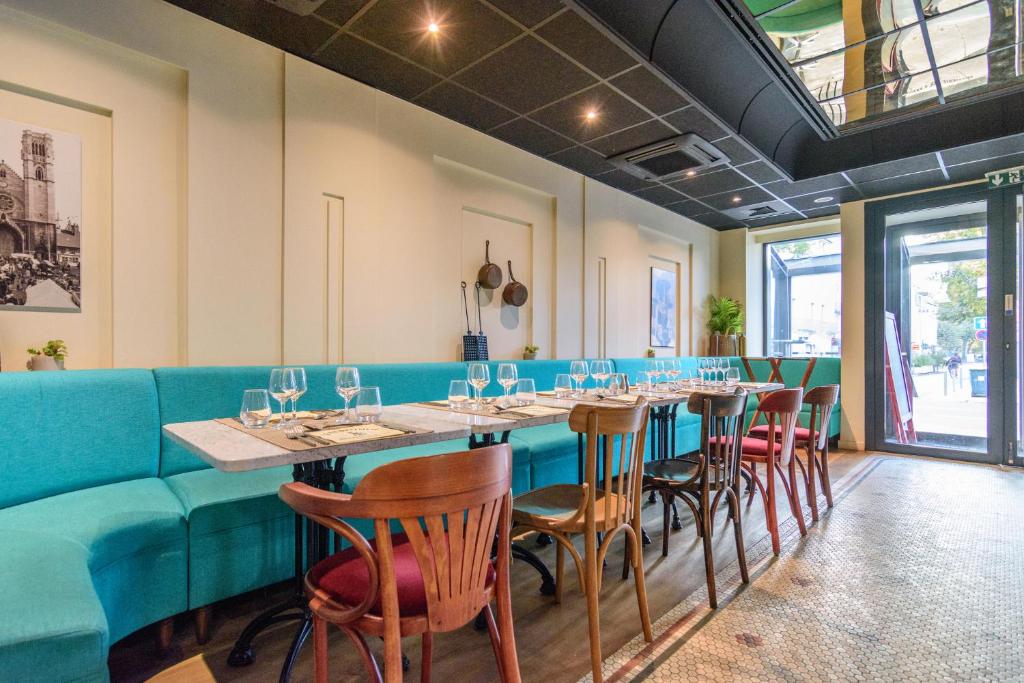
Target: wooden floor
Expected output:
[552,639]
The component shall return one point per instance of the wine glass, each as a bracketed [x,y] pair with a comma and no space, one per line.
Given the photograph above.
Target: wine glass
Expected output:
[299,377]
[563,386]
[368,405]
[653,373]
[526,392]
[507,378]
[579,372]
[255,412]
[600,370]
[723,368]
[282,384]
[346,385]
[673,368]
[478,376]
[458,393]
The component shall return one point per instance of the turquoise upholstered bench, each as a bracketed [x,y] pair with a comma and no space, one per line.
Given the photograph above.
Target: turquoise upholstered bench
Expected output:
[108,526]
[826,371]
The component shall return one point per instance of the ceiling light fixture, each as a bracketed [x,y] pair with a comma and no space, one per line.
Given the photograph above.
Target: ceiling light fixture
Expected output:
[691,173]
[824,200]
[737,199]
[433,28]
[590,115]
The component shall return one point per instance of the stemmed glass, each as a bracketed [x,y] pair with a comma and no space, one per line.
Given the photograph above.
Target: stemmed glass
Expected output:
[673,370]
[579,372]
[299,380]
[507,378]
[723,369]
[478,376]
[282,384]
[653,373]
[600,370]
[346,385]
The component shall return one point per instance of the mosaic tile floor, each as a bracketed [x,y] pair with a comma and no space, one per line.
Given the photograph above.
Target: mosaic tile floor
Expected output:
[917,574]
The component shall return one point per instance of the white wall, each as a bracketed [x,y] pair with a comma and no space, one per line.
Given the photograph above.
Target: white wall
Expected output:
[267,209]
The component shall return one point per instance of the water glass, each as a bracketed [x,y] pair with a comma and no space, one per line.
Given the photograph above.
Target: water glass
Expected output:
[282,384]
[346,385]
[368,405]
[507,378]
[732,376]
[579,371]
[618,384]
[299,381]
[255,412]
[526,392]
[479,376]
[563,386]
[458,394]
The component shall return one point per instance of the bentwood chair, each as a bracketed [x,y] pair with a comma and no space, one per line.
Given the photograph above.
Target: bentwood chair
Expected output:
[607,503]
[702,482]
[435,576]
[814,440]
[781,409]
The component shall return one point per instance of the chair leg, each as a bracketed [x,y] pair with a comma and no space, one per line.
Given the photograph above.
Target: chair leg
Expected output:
[427,650]
[593,608]
[626,556]
[392,655]
[201,618]
[165,634]
[826,482]
[737,525]
[559,571]
[319,649]
[793,493]
[812,493]
[492,631]
[771,515]
[637,558]
[709,562]
[372,670]
[665,524]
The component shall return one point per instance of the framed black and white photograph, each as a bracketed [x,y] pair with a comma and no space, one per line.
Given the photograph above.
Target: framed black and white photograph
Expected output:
[663,308]
[40,218]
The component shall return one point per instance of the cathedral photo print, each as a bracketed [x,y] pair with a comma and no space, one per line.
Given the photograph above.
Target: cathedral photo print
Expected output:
[40,218]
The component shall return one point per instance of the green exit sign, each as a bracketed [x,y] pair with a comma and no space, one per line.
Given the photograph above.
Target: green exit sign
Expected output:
[1008,176]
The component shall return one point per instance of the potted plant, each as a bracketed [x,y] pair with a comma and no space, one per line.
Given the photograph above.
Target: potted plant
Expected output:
[50,357]
[530,352]
[649,353]
[725,322]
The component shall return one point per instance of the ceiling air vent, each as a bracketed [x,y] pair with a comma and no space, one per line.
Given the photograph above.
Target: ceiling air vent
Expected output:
[300,7]
[758,210]
[670,158]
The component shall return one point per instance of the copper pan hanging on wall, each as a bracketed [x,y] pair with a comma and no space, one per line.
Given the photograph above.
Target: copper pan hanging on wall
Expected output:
[489,276]
[515,292]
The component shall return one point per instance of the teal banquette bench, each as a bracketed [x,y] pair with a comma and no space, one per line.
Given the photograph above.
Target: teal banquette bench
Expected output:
[107,526]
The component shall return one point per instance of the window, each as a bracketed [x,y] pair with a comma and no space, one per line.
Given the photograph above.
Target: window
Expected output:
[3,172]
[802,297]
[39,173]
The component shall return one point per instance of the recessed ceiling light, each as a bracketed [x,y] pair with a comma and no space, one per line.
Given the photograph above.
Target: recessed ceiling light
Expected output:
[691,173]
[737,199]
[824,200]
[433,27]
[590,115]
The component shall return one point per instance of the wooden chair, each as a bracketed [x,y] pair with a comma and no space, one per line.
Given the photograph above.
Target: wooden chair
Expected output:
[608,502]
[781,409]
[434,577]
[814,440]
[702,482]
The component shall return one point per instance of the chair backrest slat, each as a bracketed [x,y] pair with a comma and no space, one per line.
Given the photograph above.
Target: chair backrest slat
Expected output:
[822,401]
[721,428]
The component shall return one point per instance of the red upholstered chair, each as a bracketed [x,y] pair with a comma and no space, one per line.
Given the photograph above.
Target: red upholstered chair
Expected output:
[813,439]
[776,452]
[435,576]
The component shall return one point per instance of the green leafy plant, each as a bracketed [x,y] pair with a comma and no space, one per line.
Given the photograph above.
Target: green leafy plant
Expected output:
[725,315]
[55,349]
[649,353]
[530,348]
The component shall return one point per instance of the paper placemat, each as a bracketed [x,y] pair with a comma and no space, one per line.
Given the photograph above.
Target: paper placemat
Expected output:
[591,397]
[493,410]
[319,436]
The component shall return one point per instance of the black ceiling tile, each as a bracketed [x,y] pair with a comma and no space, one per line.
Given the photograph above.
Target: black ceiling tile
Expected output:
[712,183]
[631,138]
[525,76]
[737,198]
[531,137]
[816,201]
[760,172]
[903,183]
[569,116]
[461,105]
[984,150]
[646,88]
[772,220]
[583,160]
[339,11]
[572,34]
[891,169]
[357,59]
[736,151]
[301,35]
[528,12]
[691,120]
[660,194]
[786,188]
[469,30]
[829,210]
[962,173]
[688,208]
[718,221]
[623,181]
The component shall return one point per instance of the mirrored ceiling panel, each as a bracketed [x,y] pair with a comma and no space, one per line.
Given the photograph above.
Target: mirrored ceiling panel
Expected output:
[863,59]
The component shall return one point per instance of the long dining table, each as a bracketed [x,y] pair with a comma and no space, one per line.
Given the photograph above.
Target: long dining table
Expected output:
[232,450]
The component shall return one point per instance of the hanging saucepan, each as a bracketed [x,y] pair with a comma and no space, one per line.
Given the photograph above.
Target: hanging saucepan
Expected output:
[489,276]
[515,292]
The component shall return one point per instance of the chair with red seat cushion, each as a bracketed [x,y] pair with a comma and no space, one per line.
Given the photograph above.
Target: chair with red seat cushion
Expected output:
[781,409]
[411,583]
[800,434]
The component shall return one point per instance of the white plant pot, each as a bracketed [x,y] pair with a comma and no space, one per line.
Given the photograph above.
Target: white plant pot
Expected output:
[44,363]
